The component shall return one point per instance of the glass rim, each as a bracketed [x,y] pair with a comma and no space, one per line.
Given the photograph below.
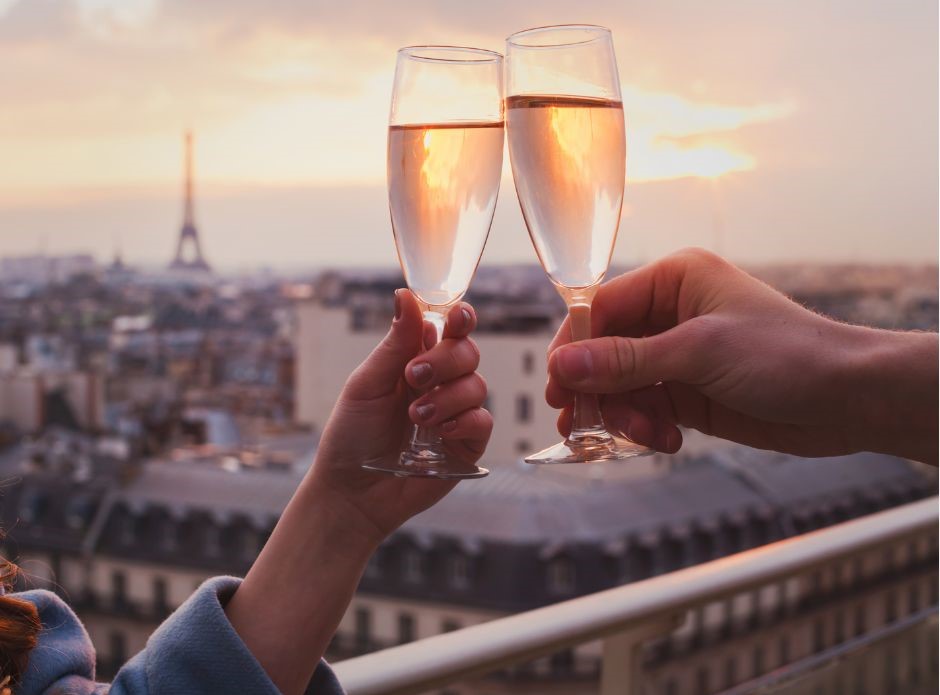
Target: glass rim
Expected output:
[599,30]
[483,55]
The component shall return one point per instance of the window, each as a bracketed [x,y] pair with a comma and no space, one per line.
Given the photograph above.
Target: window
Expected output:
[128,530]
[731,676]
[211,537]
[528,362]
[888,560]
[373,570]
[839,626]
[891,606]
[860,620]
[698,625]
[858,571]
[732,537]
[119,590]
[819,636]
[912,554]
[168,535]
[406,628]
[815,588]
[561,576]
[249,543]
[727,618]
[842,573]
[915,661]
[754,616]
[459,572]
[701,681]
[703,547]
[860,679]
[758,660]
[412,567]
[784,650]
[670,555]
[523,408]
[562,662]
[363,634]
[891,671]
[913,598]
[781,608]
[160,605]
[117,646]
[638,563]
[449,625]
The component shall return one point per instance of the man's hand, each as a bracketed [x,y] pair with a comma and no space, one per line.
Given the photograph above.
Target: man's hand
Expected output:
[692,340]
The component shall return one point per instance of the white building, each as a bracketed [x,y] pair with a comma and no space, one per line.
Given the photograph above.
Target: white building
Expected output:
[328,347]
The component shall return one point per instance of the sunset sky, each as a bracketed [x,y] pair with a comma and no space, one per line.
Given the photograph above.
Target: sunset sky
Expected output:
[778,130]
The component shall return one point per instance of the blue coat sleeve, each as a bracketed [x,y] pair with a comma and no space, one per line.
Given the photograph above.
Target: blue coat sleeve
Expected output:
[195,650]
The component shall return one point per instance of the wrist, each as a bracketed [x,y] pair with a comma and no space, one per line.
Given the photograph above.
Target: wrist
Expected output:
[334,515]
[891,392]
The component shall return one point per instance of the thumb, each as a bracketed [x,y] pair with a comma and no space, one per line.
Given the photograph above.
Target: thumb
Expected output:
[380,371]
[614,364]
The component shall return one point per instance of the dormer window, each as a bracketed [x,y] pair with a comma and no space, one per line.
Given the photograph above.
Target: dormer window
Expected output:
[213,546]
[458,571]
[561,576]
[412,566]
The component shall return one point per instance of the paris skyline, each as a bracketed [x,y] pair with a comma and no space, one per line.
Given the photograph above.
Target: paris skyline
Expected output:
[770,132]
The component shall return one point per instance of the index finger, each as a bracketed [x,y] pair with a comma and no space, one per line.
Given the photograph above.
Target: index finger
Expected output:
[644,301]
[460,321]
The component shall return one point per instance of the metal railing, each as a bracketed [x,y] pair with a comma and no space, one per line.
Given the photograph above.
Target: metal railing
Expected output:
[624,618]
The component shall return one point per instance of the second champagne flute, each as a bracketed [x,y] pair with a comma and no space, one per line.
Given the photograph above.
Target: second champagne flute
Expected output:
[568,151]
[445,159]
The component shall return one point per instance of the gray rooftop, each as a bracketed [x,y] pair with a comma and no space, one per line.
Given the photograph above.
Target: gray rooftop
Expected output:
[551,505]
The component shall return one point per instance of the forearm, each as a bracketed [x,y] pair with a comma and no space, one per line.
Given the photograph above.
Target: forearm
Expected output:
[296,593]
[893,392]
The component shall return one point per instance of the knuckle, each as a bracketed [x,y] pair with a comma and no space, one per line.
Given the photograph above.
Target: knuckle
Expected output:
[473,351]
[622,358]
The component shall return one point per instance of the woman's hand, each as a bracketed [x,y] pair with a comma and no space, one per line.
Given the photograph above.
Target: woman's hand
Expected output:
[374,416]
[296,592]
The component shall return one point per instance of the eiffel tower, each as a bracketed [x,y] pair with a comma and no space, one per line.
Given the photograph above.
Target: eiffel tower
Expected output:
[192,261]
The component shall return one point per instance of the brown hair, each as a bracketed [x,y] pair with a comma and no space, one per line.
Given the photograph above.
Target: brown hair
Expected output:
[19,630]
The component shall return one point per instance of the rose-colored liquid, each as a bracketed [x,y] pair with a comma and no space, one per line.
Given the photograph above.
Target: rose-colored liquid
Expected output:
[442,185]
[568,159]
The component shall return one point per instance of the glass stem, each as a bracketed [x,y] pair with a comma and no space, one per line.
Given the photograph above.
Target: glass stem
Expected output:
[428,437]
[587,420]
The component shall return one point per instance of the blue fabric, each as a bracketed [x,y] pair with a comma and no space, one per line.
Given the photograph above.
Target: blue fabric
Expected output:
[195,650]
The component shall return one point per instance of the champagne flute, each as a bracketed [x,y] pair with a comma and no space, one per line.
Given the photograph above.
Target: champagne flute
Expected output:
[564,119]
[445,159]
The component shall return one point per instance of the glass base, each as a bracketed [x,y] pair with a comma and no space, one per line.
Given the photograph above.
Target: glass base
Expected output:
[590,449]
[426,463]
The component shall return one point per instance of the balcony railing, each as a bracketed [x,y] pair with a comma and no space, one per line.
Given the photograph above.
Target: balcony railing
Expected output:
[625,618]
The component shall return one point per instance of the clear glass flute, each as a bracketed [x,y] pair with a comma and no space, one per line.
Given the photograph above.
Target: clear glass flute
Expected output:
[445,158]
[564,119]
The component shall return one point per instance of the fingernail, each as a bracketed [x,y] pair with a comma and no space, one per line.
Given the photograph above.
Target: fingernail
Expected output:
[575,363]
[467,317]
[397,305]
[421,373]
[425,411]
[449,426]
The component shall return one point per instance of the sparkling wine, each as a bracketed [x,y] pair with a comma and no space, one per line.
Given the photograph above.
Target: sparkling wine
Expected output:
[443,181]
[568,159]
